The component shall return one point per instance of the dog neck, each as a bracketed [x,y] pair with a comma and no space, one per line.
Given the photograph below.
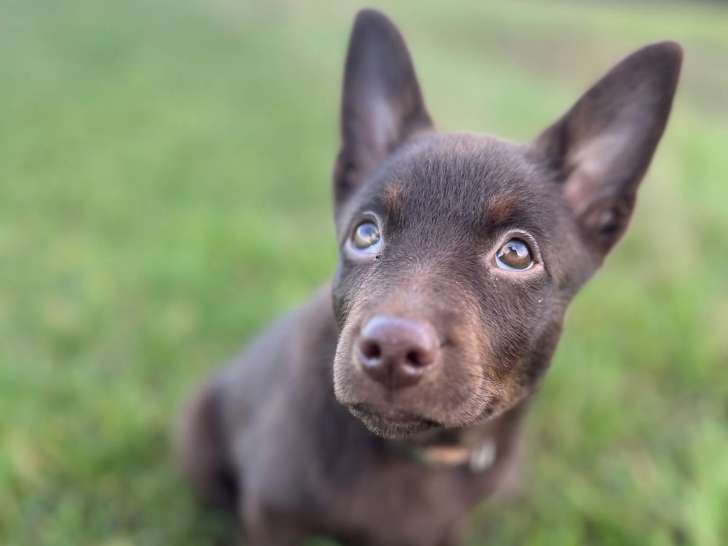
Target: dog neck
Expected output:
[475,448]
[476,459]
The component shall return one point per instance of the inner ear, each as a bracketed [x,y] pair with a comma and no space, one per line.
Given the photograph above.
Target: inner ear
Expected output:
[381,105]
[601,148]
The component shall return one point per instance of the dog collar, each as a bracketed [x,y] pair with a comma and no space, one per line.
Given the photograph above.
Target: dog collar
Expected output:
[478,459]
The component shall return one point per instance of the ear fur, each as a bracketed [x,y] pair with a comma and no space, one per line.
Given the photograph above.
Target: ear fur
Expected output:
[601,148]
[381,105]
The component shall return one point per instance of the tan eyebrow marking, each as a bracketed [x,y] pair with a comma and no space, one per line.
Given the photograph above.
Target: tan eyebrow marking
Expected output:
[392,197]
[499,208]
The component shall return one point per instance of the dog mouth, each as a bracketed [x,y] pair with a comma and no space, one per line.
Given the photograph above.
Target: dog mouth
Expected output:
[391,423]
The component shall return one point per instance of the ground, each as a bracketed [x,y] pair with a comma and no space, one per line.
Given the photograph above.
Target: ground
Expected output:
[164,192]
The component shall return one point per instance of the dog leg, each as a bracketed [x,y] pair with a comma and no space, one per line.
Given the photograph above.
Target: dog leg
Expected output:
[451,538]
[283,535]
[266,529]
[201,451]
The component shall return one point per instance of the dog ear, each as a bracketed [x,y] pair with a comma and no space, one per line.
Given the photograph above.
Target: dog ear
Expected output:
[601,148]
[381,102]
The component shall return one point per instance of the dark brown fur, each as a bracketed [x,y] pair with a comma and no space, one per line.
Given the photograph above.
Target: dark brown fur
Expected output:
[295,435]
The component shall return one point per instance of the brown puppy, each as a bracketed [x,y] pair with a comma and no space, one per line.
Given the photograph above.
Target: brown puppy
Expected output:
[388,406]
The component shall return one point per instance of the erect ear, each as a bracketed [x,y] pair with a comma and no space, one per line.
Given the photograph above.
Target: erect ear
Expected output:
[601,148]
[381,104]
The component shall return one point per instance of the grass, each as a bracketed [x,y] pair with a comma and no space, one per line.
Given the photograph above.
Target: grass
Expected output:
[164,172]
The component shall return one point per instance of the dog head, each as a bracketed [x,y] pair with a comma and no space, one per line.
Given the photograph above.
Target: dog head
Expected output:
[459,253]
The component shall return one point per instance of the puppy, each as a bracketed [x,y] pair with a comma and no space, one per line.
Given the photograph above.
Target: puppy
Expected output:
[389,405]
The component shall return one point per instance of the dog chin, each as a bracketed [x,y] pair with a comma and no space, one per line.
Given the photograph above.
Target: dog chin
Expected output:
[393,425]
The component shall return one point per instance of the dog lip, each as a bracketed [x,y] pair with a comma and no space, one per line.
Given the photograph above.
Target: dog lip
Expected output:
[389,415]
[398,424]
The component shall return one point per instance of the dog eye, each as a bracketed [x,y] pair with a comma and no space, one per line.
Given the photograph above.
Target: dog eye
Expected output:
[514,256]
[365,236]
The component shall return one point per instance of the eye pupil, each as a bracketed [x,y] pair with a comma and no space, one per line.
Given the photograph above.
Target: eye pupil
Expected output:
[514,255]
[366,235]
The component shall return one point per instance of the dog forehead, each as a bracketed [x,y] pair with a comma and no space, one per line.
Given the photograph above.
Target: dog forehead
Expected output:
[461,175]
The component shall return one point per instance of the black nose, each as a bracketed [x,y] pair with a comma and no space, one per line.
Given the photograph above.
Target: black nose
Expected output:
[397,351]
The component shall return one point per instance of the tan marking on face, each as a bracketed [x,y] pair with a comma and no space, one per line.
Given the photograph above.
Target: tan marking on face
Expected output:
[500,208]
[392,198]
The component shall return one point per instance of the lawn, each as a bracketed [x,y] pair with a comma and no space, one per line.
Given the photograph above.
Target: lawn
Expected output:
[164,192]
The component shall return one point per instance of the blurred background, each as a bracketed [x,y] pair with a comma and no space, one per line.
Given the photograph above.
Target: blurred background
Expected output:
[164,192]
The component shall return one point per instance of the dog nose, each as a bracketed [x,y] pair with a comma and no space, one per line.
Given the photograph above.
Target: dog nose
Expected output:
[397,351]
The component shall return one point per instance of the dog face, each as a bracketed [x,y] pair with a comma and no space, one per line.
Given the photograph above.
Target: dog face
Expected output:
[459,253]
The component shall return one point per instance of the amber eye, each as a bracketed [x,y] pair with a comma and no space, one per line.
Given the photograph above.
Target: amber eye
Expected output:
[366,236]
[514,256]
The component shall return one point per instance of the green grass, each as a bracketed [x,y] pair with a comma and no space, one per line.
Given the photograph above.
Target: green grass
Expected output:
[164,173]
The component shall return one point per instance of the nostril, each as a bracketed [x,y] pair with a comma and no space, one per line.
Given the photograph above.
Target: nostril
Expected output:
[417,359]
[370,350]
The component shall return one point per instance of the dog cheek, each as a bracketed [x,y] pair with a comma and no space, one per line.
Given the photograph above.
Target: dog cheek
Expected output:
[511,383]
[344,371]
[502,362]
[542,352]
[463,396]
[339,297]
[350,294]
